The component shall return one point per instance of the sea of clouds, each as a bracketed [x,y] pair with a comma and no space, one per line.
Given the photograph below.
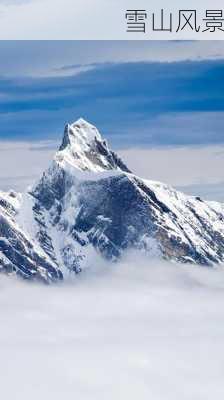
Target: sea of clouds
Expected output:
[133,330]
[195,171]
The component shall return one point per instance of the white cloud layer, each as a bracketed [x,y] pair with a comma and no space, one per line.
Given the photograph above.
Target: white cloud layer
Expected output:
[136,330]
[195,170]
[21,163]
[178,166]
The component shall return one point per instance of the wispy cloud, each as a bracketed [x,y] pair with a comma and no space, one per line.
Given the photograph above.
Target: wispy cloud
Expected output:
[50,58]
[132,103]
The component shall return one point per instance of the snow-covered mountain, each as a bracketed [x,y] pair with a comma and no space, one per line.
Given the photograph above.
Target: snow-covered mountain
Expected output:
[89,205]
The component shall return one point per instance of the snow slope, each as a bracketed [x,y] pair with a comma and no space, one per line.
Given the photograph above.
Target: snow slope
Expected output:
[89,205]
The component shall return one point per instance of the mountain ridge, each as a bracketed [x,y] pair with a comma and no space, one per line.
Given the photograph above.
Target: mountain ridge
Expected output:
[88,205]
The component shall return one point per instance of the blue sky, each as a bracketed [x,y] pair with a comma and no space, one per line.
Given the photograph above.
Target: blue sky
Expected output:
[159,104]
[139,100]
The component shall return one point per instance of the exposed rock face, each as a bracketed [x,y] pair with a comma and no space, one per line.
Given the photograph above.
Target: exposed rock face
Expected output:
[88,204]
[18,253]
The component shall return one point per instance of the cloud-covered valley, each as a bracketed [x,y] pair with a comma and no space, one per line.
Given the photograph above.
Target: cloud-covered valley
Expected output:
[136,329]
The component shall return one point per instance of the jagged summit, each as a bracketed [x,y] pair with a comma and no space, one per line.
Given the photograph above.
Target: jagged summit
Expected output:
[84,148]
[80,133]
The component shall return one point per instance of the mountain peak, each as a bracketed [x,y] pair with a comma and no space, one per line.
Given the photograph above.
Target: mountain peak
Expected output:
[79,133]
[84,148]
[82,122]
